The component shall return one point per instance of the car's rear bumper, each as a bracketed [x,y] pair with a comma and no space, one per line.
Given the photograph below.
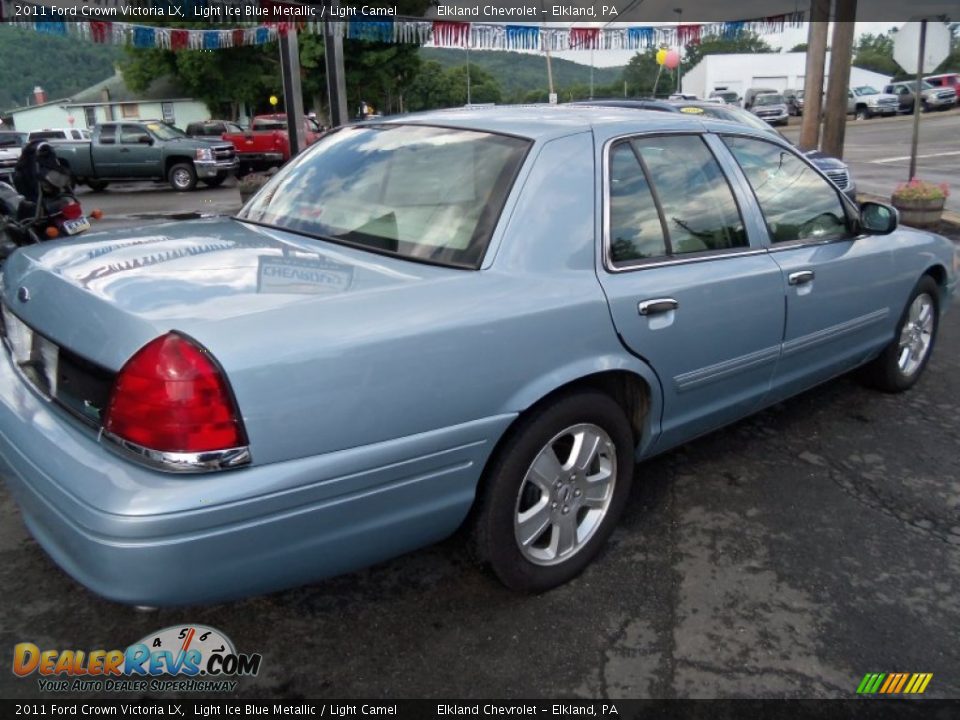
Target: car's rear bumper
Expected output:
[145,537]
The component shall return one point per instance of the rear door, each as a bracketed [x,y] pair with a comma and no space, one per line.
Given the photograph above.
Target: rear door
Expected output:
[687,290]
[107,153]
[140,152]
[839,287]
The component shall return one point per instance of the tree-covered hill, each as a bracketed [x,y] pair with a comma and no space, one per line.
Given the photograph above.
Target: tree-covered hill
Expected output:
[521,72]
[60,65]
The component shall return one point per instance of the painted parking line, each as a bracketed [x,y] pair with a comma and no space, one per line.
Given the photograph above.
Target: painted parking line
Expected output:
[907,157]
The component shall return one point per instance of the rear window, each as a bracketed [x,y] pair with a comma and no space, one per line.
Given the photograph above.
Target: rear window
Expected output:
[48,135]
[424,193]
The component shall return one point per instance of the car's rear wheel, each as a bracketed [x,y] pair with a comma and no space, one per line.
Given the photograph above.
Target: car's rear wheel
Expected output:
[182,177]
[554,491]
[900,365]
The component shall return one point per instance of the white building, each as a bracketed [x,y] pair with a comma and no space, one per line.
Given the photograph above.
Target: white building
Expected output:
[778,71]
[110,100]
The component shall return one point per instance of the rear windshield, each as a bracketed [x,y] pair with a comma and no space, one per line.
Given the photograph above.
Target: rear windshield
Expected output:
[48,135]
[269,125]
[424,193]
[12,139]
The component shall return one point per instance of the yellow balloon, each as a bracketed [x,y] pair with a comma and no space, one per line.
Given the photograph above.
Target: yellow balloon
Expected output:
[661,56]
[274,101]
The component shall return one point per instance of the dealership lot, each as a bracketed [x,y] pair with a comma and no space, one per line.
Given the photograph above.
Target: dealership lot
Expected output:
[878,151]
[785,556]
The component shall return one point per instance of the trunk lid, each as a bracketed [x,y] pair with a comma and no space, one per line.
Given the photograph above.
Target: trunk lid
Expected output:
[106,295]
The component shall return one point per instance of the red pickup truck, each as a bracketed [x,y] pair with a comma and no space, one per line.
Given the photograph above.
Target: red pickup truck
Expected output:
[265,145]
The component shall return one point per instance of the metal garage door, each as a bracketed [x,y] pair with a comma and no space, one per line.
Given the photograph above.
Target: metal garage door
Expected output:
[777,82]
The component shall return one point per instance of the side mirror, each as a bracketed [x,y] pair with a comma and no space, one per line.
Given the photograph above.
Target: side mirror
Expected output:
[145,140]
[878,219]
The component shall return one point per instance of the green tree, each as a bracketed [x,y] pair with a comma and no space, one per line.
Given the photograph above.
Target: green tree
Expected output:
[875,52]
[799,47]
[640,74]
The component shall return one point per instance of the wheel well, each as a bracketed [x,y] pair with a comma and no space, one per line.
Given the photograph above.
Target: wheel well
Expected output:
[171,161]
[939,275]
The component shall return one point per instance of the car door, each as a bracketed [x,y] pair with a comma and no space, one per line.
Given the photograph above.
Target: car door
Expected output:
[687,291]
[140,153]
[839,286]
[107,152]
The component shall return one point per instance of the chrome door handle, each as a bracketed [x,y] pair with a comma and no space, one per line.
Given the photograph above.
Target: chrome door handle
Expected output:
[801,278]
[658,305]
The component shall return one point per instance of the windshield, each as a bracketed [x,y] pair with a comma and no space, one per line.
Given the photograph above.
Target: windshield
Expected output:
[865,90]
[164,131]
[425,193]
[726,95]
[769,100]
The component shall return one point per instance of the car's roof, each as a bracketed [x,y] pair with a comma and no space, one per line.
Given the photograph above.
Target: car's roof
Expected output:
[542,122]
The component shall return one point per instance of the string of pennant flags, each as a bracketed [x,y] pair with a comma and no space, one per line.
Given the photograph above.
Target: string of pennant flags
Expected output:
[439,33]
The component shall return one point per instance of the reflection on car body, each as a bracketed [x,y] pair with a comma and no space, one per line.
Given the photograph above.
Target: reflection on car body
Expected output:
[479,315]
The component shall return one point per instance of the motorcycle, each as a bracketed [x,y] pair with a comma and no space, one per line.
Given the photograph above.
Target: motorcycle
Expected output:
[41,204]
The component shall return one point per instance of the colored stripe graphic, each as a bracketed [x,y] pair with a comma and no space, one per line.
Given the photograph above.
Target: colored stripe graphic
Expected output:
[894,683]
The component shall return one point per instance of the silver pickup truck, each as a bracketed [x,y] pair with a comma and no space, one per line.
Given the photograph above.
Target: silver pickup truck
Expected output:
[864,102]
[147,149]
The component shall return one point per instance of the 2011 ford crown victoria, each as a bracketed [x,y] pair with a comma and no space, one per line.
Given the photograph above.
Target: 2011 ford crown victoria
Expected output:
[484,316]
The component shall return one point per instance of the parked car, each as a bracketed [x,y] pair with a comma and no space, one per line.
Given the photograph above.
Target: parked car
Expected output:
[931,97]
[683,96]
[946,80]
[794,100]
[461,315]
[864,102]
[212,129]
[148,149]
[256,149]
[836,170]
[727,96]
[770,107]
[750,96]
[55,134]
[11,143]
[278,121]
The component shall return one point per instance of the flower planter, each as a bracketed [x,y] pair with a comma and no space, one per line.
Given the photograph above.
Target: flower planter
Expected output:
[919,213]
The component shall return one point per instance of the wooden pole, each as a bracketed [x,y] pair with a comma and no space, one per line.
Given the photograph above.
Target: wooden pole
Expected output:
[841,54]
[292,93]
[336,82]
[813,80]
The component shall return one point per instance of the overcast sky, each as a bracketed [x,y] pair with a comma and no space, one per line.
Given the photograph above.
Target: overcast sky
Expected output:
[785,40]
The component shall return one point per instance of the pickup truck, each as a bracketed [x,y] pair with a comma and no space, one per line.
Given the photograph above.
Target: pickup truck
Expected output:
[264,145]
[147,149]
[256,149]
[864,102]
[10,144]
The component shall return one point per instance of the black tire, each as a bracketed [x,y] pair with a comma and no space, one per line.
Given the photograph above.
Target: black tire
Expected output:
[182,177]
[97,185]
[494,527]
[924,107]
[215,181]
[885,372]
[863,114]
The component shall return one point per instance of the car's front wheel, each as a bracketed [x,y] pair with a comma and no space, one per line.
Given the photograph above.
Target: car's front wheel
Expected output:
[554,491]
[863,114]
[900,365]
[182,177]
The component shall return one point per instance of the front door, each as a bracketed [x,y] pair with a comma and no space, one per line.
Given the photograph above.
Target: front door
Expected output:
[687,291]
[839,287]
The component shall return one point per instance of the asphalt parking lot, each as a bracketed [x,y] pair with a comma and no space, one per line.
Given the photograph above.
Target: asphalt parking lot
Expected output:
[785,556]
[878,151]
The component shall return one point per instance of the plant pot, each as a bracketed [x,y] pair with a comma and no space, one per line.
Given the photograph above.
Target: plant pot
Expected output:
[919,213]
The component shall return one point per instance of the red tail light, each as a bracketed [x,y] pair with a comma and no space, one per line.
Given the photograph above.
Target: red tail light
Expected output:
[171,396]
[72,211]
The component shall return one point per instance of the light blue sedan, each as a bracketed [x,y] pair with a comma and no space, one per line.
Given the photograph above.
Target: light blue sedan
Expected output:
[484,316]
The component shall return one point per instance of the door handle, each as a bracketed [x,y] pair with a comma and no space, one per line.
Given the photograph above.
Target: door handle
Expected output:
[801,278]
[658,305]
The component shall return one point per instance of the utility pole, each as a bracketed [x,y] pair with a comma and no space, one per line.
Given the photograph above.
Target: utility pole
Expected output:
[679,13]
[813,80]
[841,54]
[292,94]
[469,101]
[916,101]
[336,82]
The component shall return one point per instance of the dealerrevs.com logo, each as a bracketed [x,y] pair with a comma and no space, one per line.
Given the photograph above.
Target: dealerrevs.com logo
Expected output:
[182,658]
